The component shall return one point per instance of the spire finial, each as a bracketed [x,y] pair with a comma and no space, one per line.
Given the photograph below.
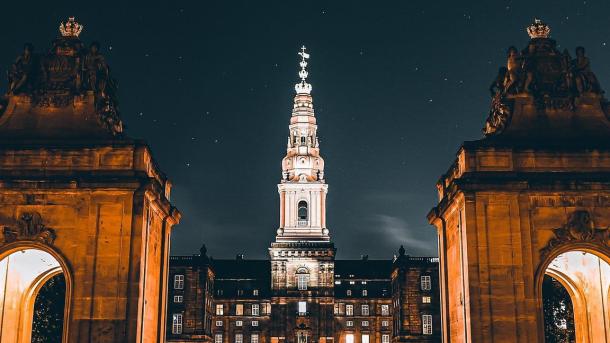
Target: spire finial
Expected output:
[303,87]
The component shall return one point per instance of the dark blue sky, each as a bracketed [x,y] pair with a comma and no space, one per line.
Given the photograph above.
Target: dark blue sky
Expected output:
[397,87]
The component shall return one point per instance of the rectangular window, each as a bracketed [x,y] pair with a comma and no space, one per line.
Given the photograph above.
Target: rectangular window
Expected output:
[302,308]
[349,338]
[219,292]
[365,323]
[427,324]
[365,310]
[178,298]
[365,293]
[240,292]
[426,300]
[239,323]
[177,323]
[365,338]
[385,323]
[349,323]
[336,309]
[266,308]
[385,338]
[254,338]
[219,323]
[218,338]
[302,281]
[219,310]
[239,338]
[426,283]
[255,323]
[178,281]
[255,309]
[349,292]
[239,309]
[349,310]
[385,310]
[255,292]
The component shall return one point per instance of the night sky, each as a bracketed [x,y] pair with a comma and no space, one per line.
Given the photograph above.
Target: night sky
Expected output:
[397,87]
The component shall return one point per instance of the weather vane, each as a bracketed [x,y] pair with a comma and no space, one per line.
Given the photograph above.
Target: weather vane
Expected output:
[303,87]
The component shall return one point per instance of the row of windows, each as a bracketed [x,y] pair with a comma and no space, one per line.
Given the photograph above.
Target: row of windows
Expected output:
[240,292]
[348,309]
[255,309]
[238,323]
[365,338]
[365,323]
[239,338]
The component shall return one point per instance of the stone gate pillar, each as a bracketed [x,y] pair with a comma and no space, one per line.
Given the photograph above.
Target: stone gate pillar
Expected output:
[516,199]
[101,203]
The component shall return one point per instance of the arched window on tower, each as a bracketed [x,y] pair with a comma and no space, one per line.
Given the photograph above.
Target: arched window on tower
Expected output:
[303,213]
[302,278]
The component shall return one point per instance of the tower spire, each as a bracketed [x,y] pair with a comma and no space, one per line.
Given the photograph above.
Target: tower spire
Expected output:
[303,187]
[303,87]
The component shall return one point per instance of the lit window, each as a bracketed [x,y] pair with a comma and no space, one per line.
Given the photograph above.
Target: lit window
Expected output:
[239,323]
[255,323]
[219,323]
[427,324]
[365,338]
[178,281]
[219,292]
[302,308]
[338,282]
[255,309]
[352,282]
[385,338]
[218,338]
[254,338]
[385,310]
[219,310]
[349,323]
[178,298]
[426,283]
[302,337]
[349,338]
[239,309]
[365,293]
[385,323]
[365,323]
[255,292]
[365,310]
[364,282]
[177,323]
[349,292]
[239,338]
[349,310]
[426,300]
[302,279]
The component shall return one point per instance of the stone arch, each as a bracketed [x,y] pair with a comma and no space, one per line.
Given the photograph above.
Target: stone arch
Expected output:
[588,326]
[24,268]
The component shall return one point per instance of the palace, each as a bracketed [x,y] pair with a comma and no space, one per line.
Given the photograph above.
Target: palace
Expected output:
[302,294]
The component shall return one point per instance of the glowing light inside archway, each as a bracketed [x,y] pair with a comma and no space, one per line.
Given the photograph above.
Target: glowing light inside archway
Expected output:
[22,273]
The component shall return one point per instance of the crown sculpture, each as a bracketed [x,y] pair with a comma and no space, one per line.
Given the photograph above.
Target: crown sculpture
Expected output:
[303,87]
[538,29]
[69,77]
[71,28]
[548,80]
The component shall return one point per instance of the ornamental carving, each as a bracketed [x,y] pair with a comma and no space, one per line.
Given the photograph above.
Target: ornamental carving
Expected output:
[579,229]
[29,227]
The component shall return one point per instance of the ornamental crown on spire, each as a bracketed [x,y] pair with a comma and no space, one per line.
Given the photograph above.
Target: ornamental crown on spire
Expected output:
[303,87]
[71,28]
[538,29]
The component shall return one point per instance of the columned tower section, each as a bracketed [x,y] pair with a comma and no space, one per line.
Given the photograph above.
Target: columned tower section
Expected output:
[302,256]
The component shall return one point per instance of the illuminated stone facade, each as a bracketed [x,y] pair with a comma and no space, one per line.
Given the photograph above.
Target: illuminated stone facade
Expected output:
[81,199]
[536,187]
[302,294]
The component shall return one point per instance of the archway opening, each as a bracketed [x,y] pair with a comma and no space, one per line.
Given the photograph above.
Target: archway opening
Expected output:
[575,300]
[32,297]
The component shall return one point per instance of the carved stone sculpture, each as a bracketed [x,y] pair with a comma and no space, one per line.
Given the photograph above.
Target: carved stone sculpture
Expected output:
[499,115]
[513,66]
[584,78]
[96,70]
[579,228]
[20,73]
[29,227]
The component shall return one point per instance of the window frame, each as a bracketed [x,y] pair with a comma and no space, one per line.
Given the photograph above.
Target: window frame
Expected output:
[365,310]
[220,310]
[349,310]
[255,309]
[385,310]
[426,282]
[178,281]
[177,323]
[252,336]
[218,338]
[426,322]
[178,299]
[240,336]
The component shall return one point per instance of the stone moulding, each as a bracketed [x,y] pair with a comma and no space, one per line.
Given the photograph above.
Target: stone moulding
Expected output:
[29,227]
[579,229]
